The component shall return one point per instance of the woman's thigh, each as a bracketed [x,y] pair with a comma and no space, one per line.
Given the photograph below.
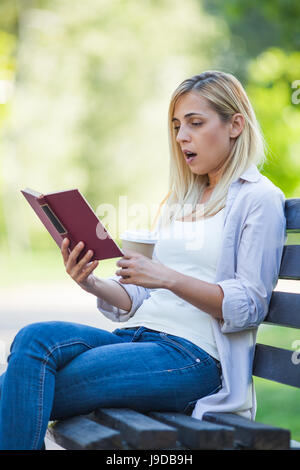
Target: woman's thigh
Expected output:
[144,376]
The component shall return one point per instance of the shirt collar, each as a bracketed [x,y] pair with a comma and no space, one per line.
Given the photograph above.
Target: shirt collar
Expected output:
[252,174]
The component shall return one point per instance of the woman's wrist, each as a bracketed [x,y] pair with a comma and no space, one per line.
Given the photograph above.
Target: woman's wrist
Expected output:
[89,284]
[170,280]
[108,290]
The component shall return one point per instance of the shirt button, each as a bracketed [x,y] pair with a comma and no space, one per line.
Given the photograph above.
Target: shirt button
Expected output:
[198,360]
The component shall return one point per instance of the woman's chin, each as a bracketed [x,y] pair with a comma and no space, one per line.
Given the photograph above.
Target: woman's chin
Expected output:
[198,171]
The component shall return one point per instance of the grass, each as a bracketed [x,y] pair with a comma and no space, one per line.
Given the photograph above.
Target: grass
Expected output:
[278,405]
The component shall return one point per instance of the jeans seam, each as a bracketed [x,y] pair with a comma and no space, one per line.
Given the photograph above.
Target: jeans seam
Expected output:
[42,381]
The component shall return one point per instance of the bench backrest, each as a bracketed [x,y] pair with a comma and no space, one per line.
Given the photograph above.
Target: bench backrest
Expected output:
[273,363]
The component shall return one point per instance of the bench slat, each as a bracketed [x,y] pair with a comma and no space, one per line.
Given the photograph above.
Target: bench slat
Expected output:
[276,364]
[292,214]
[139,431]
[250,434]
[196,434]
[284,309]
[80,433]
[290,262]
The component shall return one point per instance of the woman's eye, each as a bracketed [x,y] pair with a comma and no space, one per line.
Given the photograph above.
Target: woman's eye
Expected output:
[176,128]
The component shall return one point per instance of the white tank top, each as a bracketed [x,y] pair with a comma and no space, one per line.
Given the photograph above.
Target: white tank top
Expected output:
[193,249]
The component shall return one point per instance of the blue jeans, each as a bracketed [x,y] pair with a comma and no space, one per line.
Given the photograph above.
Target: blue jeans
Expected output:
[61,369]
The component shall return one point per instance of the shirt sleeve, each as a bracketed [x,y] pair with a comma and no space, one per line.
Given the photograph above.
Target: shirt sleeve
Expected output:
[137,296]
[247,296]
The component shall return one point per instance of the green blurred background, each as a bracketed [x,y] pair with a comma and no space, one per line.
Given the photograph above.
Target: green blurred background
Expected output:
[84,92]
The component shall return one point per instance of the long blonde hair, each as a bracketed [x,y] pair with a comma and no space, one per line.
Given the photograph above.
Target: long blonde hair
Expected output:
[227,97]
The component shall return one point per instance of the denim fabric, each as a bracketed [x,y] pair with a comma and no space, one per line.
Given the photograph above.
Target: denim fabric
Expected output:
[61,369]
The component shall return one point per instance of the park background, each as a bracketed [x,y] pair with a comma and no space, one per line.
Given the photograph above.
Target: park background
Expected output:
[84,93]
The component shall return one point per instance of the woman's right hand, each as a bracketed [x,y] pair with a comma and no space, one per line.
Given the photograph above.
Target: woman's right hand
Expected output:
[80,271]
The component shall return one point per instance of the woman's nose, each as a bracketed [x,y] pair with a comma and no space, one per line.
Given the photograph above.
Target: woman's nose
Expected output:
[182,135]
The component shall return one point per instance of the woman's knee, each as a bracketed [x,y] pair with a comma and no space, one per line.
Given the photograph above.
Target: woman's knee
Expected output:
[33,334]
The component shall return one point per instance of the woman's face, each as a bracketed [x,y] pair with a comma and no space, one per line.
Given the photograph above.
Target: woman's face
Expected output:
[200,130]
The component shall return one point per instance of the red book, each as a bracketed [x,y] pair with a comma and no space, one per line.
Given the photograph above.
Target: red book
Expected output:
[67,214]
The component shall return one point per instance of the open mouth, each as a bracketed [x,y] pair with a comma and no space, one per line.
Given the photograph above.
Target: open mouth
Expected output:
[189,155]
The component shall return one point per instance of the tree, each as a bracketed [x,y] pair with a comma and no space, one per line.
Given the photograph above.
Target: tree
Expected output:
[94,80]
[263,53]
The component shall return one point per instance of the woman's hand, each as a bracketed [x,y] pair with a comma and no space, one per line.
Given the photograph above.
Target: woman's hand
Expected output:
[142,271]
[80,272]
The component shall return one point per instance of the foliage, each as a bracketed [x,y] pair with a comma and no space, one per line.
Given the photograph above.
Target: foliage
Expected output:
[92,85]
[270,80]
[257,25]
[263,51]
[7,71]
[89,110]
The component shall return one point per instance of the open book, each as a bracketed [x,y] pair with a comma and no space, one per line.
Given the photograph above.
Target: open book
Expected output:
[67,214]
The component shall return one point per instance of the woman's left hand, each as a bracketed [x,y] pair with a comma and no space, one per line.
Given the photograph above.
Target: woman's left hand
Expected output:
[142,271]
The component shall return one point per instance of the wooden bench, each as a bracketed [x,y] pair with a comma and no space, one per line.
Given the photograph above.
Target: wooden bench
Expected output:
[126,429]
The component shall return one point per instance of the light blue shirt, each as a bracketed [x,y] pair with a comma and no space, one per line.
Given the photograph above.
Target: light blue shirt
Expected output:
[254,235]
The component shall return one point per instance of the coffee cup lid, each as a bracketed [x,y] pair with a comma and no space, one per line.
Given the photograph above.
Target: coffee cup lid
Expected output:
[142,236]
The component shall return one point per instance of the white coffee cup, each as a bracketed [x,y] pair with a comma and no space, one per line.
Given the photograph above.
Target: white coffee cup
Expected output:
[140,241]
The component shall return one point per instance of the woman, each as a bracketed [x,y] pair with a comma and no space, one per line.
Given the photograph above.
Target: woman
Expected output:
[191,313]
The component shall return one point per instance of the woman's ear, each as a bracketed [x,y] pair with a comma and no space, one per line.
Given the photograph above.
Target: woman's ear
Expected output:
[237,125]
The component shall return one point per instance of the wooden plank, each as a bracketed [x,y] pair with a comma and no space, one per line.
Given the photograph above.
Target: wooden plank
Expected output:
[290,262]
[277,364]
[284,309]
[196,434]
[250,434]
[80,433]
[292,214]
[139,431]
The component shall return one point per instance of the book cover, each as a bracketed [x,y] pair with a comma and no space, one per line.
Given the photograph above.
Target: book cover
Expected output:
[67,214]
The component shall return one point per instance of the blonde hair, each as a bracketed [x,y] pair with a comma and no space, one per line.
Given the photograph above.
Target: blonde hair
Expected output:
[227,97]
